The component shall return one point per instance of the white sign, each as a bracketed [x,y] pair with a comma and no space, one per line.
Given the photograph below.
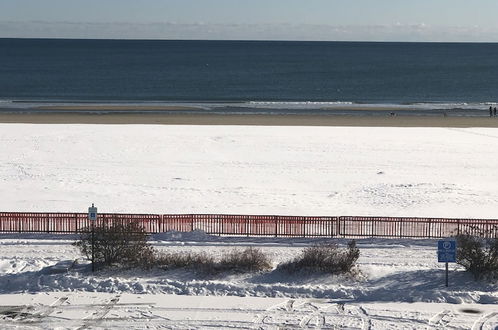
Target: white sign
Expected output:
[92,213]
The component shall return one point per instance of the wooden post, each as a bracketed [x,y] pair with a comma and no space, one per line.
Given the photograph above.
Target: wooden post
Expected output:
[446,274]
[93,246]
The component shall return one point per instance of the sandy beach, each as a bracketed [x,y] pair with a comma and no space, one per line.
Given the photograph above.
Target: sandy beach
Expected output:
[262,120]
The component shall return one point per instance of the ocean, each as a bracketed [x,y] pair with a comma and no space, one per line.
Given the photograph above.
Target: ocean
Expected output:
[251,76]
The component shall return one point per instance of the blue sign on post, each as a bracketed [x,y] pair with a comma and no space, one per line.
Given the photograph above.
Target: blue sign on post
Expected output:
[446,250]
[92,213]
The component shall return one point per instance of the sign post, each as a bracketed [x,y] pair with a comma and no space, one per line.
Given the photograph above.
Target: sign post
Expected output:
[92,216]
[446,252]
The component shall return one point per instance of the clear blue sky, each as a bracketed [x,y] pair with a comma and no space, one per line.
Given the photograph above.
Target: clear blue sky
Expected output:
[414,20]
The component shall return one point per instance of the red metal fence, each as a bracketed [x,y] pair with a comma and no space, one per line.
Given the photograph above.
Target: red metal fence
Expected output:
[255,225]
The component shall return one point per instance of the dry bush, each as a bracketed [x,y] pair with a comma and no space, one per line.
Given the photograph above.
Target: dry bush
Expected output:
[324,258]
[199,261]
[478,254]
[120,243]
[125,244]
[248,260]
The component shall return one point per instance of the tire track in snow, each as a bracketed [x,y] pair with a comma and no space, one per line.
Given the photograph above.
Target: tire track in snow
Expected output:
[31,313]
[97,317]
[316,318]
[367,321]
[265,318]
[362,314]
[309,315]
[47,310]
[485,320]
[442,319]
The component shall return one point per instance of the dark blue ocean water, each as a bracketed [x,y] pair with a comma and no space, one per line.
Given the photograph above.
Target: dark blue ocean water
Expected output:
[241,71]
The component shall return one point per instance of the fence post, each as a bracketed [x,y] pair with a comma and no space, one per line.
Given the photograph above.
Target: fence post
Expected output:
[275,218]
[47,221]
[221,226]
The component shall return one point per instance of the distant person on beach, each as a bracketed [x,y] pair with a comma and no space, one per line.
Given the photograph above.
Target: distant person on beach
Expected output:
[494,111]
[491,111]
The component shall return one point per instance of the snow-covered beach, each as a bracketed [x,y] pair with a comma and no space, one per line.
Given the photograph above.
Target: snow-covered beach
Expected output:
[384,171]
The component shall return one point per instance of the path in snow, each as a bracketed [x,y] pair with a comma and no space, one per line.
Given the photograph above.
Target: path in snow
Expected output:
[90,310]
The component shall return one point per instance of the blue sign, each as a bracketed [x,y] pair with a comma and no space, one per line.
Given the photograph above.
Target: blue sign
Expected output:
[446,250]
[92,213]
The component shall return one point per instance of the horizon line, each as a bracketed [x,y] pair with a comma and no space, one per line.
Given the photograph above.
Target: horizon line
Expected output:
[252,40]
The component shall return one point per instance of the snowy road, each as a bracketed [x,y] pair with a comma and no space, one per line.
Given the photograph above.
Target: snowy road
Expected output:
[111,311]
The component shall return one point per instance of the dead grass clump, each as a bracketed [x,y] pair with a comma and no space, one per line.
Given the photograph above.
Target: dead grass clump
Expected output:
[324,258]
[248,260]
[236,260]
[172,260]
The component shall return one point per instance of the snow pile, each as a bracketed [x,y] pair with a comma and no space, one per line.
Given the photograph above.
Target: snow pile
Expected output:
[196,235]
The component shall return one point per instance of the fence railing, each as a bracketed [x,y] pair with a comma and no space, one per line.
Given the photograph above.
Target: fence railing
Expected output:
[254,225]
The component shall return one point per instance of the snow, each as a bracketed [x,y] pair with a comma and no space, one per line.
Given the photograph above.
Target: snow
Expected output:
[110,311]
[437,172]
[392,270]
[387,171]
[401,286]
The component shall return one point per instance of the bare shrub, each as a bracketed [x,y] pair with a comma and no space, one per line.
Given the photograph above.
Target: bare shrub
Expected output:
[478,254]
[248,260]
[201,262]
[324,258]
[125,244]
[120,243]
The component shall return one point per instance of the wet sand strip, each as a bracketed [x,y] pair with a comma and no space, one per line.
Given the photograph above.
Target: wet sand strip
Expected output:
[241,119]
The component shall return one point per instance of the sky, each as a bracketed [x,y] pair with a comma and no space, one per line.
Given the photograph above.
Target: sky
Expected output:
[355,20]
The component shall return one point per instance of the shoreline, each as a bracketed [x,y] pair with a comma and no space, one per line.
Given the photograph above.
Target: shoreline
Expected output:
[248,119]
